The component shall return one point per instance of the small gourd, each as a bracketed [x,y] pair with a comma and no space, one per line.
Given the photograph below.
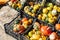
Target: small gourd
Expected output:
[30,34]
[45,10]
[55,7]
[35,36]
[49,8]
[54,12]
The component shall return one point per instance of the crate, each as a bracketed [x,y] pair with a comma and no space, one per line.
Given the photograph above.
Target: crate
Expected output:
[23,4]
[9,27]
[11,33]
[36,20]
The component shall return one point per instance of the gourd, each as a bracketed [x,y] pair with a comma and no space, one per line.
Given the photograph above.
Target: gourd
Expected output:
[19,5]
[45,10]
[30,33]
[40,39]
[49,4]
[54,12]
[26,9]
[35,36]
[49,8]
[51,20]
[53,36]
[39,17]
[55,7]
[57,26]
[58,9]
[30,21]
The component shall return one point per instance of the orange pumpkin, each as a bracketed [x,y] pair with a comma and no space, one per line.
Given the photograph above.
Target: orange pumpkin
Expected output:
[57,26]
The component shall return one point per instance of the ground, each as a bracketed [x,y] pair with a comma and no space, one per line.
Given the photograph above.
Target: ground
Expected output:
[4,36]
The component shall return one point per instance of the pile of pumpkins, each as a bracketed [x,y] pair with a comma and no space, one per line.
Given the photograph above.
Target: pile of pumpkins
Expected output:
[43,32]
[32,9]
[21,25]
[49,13]
[16,4]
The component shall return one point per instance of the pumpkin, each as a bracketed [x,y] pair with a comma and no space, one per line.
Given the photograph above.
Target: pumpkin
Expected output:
[30,33]
[54,12]
[45,10]
[35,36]
[55,7]
[53,36]
[49,8]
[57,26]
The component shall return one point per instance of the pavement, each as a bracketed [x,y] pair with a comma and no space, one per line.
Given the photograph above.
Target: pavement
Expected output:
[6,15]
[4,36]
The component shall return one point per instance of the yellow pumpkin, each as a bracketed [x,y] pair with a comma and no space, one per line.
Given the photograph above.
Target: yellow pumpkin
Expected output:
[40,39]
[30,33]
[33,14]
[19,5]
[51,20]
[36,7]
[13,5]
[39,16]
[45,10]
[49,15]
[44,37]
[30,20]
[25,25]
[33,11]
[26,8]
[55,7]
[35,36]
[43,18]
[30,13]
[33,31]
[44,15]
[55,17]
[58,9]
[49,8]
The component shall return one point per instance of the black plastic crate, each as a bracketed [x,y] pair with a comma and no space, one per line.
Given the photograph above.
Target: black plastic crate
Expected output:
[11,33]
[35,2]
[9,27]
[36,20]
